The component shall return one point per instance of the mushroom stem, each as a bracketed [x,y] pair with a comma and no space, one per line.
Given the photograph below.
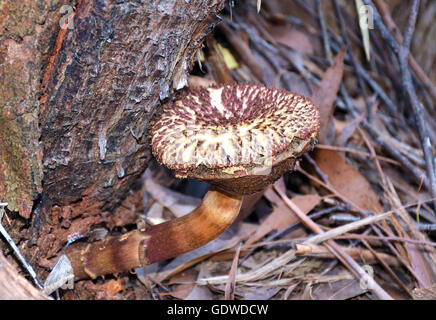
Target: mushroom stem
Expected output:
[139,248]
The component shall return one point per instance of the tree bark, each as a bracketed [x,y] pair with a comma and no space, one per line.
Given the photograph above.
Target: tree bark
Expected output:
[26,31]
[75,103]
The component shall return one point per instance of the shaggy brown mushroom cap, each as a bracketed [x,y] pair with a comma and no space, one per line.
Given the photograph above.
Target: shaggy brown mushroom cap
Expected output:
[240,137]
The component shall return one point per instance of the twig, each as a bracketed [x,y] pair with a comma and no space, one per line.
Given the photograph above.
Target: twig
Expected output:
[408,151]
[417,173]
[325,38]
[374,157]
[364,213]
[386,238]
[286,229]
[279,262]
[351,150]
[426,227]
[390,105]
[347,227]
[383,261]
[353,60]
[419,259]
[417,108]
[346,259]
[402,53]
[318,171]
[313,250]
[20,257]
[230,286]
[427,83]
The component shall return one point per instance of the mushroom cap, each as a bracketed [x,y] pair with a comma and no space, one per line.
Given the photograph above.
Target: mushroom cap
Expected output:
[246,132]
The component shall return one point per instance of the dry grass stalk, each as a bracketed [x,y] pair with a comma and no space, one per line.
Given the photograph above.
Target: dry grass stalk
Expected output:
[366,256]
[291,254]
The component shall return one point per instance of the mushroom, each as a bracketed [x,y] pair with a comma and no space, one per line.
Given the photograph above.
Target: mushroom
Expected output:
[240,138]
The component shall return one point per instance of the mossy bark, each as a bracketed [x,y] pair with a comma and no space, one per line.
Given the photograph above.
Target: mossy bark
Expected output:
[26,31]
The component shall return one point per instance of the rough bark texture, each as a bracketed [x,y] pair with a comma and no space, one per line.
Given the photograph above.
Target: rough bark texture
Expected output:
[75,105]
[109,74]
[105,78]
[26,31]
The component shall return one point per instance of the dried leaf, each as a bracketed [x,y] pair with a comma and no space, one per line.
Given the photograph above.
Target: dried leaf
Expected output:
[289,290]
[228,58]
[155,211]
[339,290]
[326,94]
[61,276]
[291,37]
[281,217]
[345,130]
[201,292]
[182,291]
[183,283]
[347,180]
[230,286]
[179,203]
[421,258]
[187,276]
[262,293]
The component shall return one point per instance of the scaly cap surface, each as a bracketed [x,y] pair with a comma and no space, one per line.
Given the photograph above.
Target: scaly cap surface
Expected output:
[232,130]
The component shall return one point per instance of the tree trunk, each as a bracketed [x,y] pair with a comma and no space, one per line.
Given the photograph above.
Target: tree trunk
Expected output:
[76,97]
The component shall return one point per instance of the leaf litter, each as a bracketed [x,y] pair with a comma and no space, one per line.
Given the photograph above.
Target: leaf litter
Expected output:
[369,165]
